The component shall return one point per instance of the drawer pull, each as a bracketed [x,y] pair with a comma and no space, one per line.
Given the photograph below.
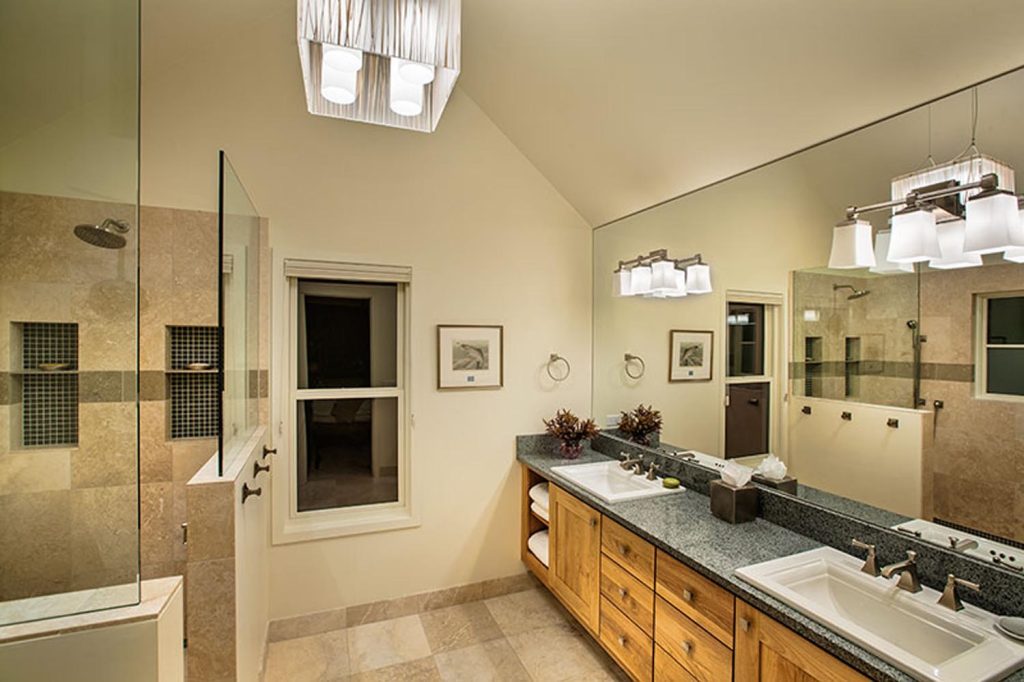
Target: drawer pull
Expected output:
[593,523]
[744,625]
[623,549]
[687,648]
[623,592]
[687,596]
[623,641]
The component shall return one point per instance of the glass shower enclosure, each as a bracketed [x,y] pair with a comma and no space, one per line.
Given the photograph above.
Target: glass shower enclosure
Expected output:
[69,307]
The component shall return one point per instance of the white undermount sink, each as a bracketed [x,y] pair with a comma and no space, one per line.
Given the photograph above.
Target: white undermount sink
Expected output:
[908,630]
[611,482]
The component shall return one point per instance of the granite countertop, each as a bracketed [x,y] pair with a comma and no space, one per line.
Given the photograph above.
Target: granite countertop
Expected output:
[682,526]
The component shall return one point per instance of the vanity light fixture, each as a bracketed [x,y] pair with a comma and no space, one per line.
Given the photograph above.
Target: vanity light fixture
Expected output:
[388,63]
[1016,254]
[851,245]
[914,238]
[951,244]
[993,222]
[884,266]
[656,275]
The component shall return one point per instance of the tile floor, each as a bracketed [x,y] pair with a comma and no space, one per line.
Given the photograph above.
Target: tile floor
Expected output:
[520,636]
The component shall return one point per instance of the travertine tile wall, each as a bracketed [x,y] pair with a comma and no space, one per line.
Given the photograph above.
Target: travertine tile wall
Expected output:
[974,468]
[70,515]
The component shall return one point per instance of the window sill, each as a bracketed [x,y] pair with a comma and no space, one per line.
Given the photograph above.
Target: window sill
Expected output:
[339,523]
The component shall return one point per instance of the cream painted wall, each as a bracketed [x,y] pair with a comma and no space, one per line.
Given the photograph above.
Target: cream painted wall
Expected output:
[489,241]
[753,231]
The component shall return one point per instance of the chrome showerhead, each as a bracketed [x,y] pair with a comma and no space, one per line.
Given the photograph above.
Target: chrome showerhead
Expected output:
[107,235]
[854,293]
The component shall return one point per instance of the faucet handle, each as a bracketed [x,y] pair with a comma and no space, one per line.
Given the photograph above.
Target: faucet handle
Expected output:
[950,597]
[871,562]
[652,471]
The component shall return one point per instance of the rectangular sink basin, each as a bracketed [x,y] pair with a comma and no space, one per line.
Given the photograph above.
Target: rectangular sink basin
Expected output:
[611,482]
[910,631]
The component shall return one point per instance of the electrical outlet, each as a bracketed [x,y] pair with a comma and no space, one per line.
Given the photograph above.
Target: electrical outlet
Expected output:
[611,421]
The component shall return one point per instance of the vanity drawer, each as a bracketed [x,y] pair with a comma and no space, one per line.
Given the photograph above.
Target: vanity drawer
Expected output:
[631,596]
[626,642]
[700,599]
[667,670]
[632,553]
[690,645]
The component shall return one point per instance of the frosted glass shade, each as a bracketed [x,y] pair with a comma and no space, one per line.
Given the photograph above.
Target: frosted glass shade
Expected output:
[679,290]
[406,98]
[951,243]
[338,86]
[993,223]
[663,277]
[342,58]
[415,72]
[884,266]
[851,246]
[620,283]
[913,237]
[640,280]
[698,279]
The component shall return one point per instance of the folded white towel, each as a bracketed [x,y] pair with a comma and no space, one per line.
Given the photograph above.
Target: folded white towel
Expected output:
[539,510]
[538,544]
[539,494]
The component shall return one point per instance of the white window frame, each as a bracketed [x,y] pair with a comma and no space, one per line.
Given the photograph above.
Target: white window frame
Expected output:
[982,346]
[774,359]
[290,525]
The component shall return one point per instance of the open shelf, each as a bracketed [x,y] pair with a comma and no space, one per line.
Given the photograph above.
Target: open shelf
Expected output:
[531,523]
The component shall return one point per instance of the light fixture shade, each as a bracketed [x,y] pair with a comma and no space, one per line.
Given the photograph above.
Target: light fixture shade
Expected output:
[338,86]
[404,98]
[679,290]
[414,72]
[426,33]
[342,58]
[993,223]
[620,283]
[913,237]
[851,246]
[698,279]
[663,277]
[884,266]
[951,243]
[640,280]
[1014,254]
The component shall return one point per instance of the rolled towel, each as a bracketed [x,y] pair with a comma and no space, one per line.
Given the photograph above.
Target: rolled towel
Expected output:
[538,544]
[539,494]
[539,510]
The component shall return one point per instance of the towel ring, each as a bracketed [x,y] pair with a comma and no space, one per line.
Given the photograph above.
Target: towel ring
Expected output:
[630,358]
[552,361]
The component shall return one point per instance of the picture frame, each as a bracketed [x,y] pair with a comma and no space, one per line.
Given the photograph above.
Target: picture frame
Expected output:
[470,357]
[690,355]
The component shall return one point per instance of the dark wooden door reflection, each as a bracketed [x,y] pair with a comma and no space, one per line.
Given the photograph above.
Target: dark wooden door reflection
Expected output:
[746,419]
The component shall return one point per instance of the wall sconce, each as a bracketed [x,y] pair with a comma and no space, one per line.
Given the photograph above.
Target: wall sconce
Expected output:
[656,275]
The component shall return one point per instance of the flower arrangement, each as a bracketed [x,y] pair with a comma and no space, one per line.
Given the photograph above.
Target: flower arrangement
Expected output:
[640,424]
[571,431]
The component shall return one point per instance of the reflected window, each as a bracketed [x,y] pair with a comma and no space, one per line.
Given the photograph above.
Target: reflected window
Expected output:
[1001,355]
[745,322]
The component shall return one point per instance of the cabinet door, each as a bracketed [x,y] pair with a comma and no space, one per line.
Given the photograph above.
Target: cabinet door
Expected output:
[767,650]
[574,572]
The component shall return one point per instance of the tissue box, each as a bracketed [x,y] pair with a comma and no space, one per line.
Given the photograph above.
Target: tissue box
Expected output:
[786,485]
[735,505]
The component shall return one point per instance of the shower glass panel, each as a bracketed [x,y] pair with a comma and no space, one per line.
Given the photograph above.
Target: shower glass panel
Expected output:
[239,314]
[69,262]
[856,336]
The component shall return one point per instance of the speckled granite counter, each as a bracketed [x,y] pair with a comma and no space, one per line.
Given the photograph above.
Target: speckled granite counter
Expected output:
[682,525]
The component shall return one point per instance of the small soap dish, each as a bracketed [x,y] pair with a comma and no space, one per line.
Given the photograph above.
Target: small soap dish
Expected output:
[1011,627]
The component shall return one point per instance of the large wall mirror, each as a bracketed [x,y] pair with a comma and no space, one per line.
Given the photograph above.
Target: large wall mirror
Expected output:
[893,392]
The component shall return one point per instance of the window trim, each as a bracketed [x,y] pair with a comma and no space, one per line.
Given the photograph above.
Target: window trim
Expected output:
[289,525]
[982,346]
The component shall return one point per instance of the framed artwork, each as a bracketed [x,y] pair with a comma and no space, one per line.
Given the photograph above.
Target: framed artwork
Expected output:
[690,355]
[470,356]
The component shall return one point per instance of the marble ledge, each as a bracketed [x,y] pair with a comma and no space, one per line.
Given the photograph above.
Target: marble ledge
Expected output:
[156,594]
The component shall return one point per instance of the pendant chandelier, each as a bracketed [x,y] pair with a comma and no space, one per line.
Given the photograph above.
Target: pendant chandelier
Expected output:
[387,62]
[656,275]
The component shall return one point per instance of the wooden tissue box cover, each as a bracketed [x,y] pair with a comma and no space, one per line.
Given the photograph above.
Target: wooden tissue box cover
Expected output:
[786,485]
[735,505]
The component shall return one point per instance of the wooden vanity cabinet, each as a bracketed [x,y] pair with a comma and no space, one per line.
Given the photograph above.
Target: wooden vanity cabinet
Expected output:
[767,650]
[574,570]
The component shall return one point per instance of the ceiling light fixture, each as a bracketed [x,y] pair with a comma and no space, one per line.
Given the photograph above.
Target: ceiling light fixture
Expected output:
[914,238]
[851,245]
[884,266]
[656,275]
[389,63]
[951,244]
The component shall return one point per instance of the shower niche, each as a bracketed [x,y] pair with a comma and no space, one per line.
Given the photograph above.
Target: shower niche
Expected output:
[44,387]
[193,382]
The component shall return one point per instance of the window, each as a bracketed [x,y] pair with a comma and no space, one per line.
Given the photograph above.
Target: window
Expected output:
[1000,366]
[344,407]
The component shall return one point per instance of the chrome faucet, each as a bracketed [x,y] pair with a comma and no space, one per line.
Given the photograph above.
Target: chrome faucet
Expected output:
[907,571]
[950,599]
[871,562]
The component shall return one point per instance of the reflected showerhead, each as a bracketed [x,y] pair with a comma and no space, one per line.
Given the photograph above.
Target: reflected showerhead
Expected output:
[855,293]
[107,235]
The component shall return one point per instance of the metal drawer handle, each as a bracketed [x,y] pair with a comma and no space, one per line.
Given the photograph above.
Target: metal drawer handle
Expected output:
[623,549]
[593,523]
[623,641]
[623,592]
[744,625]
[688,648]
[687,596]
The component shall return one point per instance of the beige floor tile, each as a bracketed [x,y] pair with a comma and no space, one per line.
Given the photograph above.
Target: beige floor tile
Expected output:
[296,660]
[459,626]
[491,661]
[557,653]
[387,643]
[526,611]
[423,670]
